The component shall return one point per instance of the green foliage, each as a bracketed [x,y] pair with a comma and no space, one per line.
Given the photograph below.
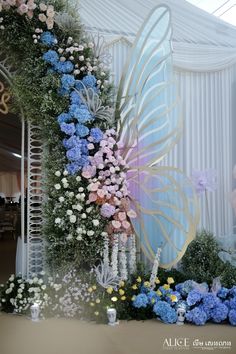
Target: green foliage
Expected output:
[202,263]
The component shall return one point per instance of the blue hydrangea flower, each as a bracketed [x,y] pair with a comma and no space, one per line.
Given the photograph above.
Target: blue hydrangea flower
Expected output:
[232,303]
[232,317]
[62,92]
[81,130]
[69,129]
[219,313]
[67,81]
[51,57]
[210,300]
[73,168]
[193,297]
[48,38]
[84,146]
[64,118]
[165,312]
[81,113]
[140,300]
[64,67]
[206,309]
[89,81]
[83,161]
[96,134]
[197,316]
[153,297]
[185,287]
[232,291]
[75,98]
[74,154]
[71,142]
[223,293]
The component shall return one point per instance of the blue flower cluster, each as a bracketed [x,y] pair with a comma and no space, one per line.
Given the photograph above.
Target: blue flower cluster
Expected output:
[48,39]
[75,123]
[141,300]
[164,310]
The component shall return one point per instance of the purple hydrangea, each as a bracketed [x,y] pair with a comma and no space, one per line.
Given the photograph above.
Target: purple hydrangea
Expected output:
[107,210]
[64,67]
[51,57]
[219,313]
[81,130]
[96,134]
[197,316]
[232,317]
[69,128]
[140,300]
[67,81]
[48,38]
[64,118]
[193,297]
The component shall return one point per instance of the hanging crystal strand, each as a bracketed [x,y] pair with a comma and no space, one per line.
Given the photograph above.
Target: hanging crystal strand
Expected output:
[106,250]
[132,254]
[114,255]
[155,268]
[122,258]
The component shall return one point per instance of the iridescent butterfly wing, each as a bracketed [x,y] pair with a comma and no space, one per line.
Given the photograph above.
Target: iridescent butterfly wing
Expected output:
[150,124]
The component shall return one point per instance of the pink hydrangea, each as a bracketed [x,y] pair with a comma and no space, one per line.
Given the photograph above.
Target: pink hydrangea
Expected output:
[107,210]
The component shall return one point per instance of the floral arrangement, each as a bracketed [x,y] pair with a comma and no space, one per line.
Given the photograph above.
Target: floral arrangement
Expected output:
[65,80]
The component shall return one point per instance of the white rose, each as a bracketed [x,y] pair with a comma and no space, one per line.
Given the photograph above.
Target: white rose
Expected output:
[57,221]
[57,173]
[8,291]
[88,210]
[64,180]
[81,58]
[71,194]
[43,287]
[90,233]
[61,199]
[12,277]
[95,222]
[57,186]
[69,212]
[69,237]
[72,219]
[20,290]
[79,230]
[79,238]
[83,216]
[81,189]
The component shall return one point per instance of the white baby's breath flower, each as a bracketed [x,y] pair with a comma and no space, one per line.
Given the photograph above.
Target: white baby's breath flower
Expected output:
[57,186]
[69,237]
[20,290]
[72,219]
[88,210]
[64,180]
[58,173]
[81,58]
[95,222]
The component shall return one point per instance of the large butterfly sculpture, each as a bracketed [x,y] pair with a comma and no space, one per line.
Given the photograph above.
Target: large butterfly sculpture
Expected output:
[149,125]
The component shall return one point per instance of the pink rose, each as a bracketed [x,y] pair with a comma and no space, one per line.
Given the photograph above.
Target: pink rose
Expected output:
[116,224]
[92,197]
[101,193]
[132,214]
[125,224]
[93,187]
[23,9]
[89,172]
[122,216]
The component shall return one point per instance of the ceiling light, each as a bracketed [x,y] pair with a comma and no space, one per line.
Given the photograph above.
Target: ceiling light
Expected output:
[16,155]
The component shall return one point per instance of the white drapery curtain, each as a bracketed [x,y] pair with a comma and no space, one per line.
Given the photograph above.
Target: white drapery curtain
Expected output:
[9,185]
[204,53]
